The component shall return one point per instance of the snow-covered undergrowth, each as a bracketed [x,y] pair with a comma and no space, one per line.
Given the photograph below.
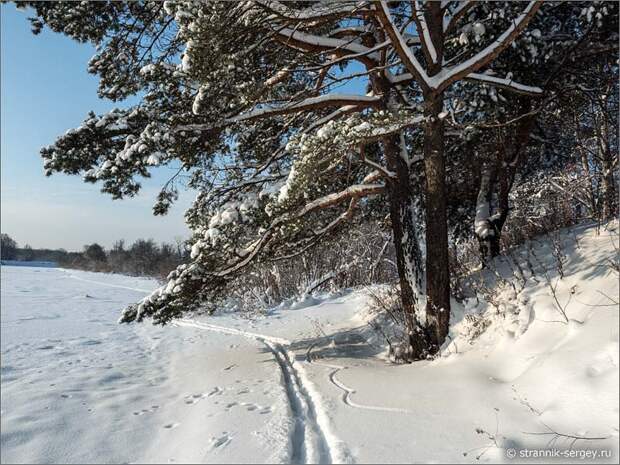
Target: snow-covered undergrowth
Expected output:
[532,362]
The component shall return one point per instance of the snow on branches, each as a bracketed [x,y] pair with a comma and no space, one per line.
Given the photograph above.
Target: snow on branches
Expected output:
[288,117]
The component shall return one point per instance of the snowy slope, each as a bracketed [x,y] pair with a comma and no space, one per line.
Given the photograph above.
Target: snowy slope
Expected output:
[303,384]
[528,376]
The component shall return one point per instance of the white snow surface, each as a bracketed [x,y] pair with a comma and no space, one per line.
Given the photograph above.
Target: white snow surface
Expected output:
[310,382]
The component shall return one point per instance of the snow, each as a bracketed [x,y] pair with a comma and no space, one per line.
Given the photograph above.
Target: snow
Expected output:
[479,29]
[77,387]
[310,382]
[428,43]
[283,193]
[309,13]
[334,99]
[329,43]
[152,160]
[473,63]
[410,57]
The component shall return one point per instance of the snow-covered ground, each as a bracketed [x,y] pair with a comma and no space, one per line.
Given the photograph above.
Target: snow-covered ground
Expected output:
[78,387]
[304,384]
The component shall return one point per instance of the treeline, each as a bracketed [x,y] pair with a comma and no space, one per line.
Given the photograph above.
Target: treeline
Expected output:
[144,257]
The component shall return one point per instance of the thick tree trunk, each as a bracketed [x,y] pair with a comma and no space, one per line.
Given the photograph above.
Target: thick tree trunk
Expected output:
[501,180]
[488,224]
[437,262]
[585,165]
[408,257]
[483,224]
[505,185]
[609,199]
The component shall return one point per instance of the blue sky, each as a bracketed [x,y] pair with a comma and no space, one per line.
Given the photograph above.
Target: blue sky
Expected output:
[46,91]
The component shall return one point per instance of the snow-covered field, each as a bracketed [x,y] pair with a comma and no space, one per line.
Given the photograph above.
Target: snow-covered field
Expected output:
[304,384]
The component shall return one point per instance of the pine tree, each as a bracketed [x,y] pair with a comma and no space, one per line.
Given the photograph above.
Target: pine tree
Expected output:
[247,97]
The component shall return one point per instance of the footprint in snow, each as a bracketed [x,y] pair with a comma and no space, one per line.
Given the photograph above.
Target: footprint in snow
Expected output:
[216,391]
[194,398]
[253,407]
[250,407]
[221,441]
[143,411]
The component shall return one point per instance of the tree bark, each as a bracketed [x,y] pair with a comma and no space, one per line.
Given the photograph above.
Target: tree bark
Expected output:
[609,210]
[610,197]
[509,156]
[483,223]
[437,262]
[402,192]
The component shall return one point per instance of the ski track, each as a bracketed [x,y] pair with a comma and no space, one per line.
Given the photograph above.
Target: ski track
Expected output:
[146,291]
[311,438]
[327,448]
[348,392]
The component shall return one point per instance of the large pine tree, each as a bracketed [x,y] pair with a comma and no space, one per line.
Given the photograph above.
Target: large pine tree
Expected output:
[290,117]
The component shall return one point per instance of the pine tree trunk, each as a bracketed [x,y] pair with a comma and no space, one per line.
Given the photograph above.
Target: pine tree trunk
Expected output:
[509,158]
[585,165]
[483,227]
[609,209]
[505,185]
[408,257]
[437,263]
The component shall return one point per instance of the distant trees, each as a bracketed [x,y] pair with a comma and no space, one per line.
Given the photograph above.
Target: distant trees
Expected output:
[143,258]
[8,247]
[27,253]
[95,255]
[117,257]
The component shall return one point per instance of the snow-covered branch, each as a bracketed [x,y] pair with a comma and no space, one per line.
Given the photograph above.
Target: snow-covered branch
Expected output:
[352,192]
[427,43]
[312,103]
[450,20]
[489,53]
[505,83]
[400,44]
[311,42]
[318,11]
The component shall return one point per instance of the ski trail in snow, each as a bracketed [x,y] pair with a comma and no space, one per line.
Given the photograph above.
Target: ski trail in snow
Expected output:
[147,291]
[235,331]
[311,439]
[348,392]
[309,443]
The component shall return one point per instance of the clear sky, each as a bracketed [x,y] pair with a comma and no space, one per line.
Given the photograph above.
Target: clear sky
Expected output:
[46,91]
